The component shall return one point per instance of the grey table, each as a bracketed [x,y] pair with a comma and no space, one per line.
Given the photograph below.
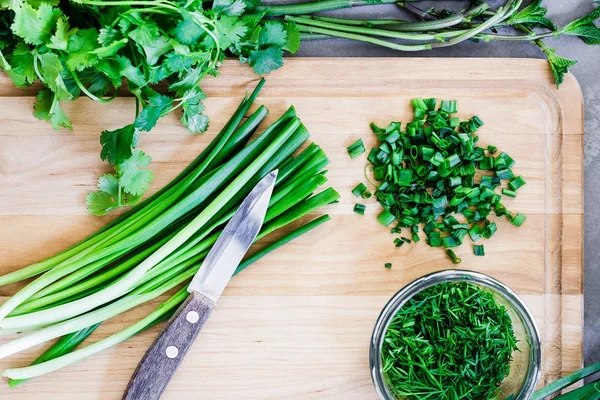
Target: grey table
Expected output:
[586,72]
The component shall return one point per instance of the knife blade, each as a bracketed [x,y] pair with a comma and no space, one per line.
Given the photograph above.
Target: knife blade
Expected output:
[158,365]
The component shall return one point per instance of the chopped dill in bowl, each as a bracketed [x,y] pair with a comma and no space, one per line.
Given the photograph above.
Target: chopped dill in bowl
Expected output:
[449,341]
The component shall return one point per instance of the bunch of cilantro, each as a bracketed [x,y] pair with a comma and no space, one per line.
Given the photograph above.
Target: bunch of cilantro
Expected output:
[95,47]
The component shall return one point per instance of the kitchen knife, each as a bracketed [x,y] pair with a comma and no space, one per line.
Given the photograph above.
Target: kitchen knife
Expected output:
[158,365]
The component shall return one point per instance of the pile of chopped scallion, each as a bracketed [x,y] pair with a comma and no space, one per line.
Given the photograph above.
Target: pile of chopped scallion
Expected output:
[449,341]
[433,174]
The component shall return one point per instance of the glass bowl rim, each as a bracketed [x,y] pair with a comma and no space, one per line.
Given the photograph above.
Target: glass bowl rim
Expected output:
[454,275]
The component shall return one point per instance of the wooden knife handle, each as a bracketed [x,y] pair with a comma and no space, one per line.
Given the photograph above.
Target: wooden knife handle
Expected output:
[158,365]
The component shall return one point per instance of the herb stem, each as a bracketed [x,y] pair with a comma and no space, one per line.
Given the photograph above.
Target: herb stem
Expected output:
[362,30]
[316,6]
[91,95]
[363,38]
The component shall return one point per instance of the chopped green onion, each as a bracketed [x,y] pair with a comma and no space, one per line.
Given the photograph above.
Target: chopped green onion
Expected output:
[359,189]
[505,174]
[492,149]
[450,241]
[453,257]
[356,149]
[475,232]
[489,230]
[398,242]
[366,194]
[386,218]
[388,265]
[518,219]
[435,239]
[509,161]
[478,250]
[450,107]
[509,193]
[516,183]
[360,209]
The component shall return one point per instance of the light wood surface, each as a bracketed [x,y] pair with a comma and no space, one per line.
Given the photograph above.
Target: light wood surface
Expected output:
[297,324]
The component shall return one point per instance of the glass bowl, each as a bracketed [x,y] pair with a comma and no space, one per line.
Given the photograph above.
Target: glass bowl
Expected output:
[525,369]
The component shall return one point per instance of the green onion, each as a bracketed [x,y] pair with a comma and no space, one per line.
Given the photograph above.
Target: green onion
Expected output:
[518,219]
[356,149]
[386,218]
[366,194]
[453,257]
[160,244]
[478,250]
[516,183]
[388,265]
[450,107]
[360,209]
[427,174]
[509,193]
[566,381]
[359,189]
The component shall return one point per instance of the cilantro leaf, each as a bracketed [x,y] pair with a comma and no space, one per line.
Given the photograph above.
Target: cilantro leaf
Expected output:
[22,61]
[158,104]
[117,144]
[47,107]
[192,117]
[187,30]
[229,30]
[80,49]
[108,35]
[133,178]
[158,73]
[266,60]
[149,37]
[272,33]
[51,71]
[145,33]
[60,39]
[106,198]
[120,67]
[233,8]
[35,25]
[292,43]
[111,49]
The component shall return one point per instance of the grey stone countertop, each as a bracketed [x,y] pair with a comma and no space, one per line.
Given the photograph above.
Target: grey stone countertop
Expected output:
[586,71]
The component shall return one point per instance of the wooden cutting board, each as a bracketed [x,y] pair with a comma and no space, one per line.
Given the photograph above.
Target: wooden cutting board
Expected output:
[297,324]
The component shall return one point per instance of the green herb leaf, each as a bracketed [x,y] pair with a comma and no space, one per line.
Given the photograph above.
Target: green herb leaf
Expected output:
[267,60]
[533,15]
[233,8]
[585,28]
[47,107]
[117,145]
[132,177]
[35,26]
[158,104]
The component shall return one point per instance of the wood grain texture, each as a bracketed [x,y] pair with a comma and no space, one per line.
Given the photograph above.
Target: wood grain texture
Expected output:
[297,324]
[155,370]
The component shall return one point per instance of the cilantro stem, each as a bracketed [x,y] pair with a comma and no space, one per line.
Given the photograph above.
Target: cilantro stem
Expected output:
[501,14]
[93,97]
[36,67]
[403,26]
[363,38]
[316,6]
[108,3]
[362,30]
